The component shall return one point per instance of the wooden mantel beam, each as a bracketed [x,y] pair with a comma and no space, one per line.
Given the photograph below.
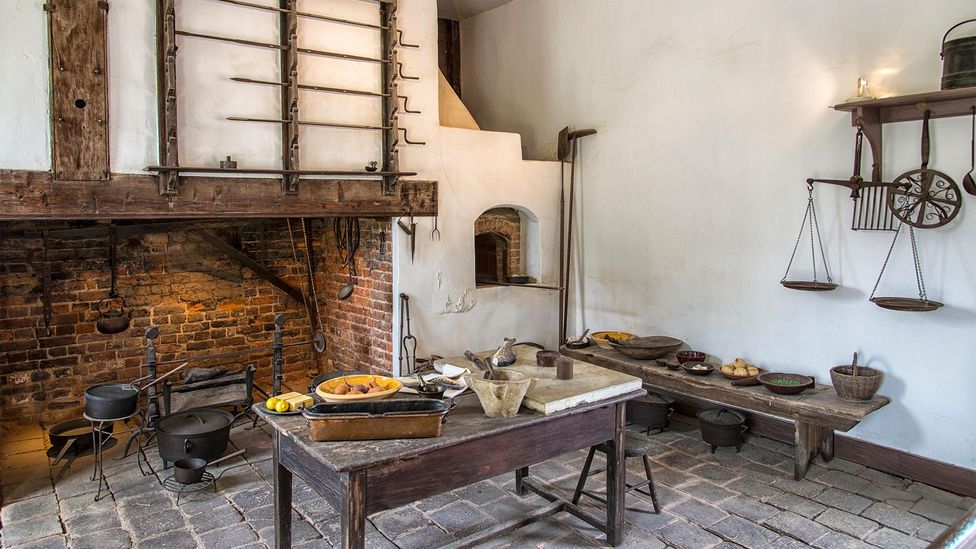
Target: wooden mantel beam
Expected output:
[35,195]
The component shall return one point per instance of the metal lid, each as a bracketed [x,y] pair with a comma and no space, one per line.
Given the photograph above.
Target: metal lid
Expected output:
[194,422]
[721,416]
[656,398]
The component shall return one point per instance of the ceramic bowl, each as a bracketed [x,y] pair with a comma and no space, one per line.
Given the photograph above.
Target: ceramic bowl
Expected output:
[694,368]
[690,356]
[390,387]
[600,338]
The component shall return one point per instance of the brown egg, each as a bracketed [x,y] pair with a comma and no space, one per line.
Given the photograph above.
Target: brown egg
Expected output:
[341,389]
[374,390]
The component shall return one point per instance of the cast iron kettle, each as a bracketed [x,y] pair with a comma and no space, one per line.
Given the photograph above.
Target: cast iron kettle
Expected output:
[112,316]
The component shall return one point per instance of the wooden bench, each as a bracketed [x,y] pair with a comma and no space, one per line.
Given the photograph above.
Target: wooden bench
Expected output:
[816,412]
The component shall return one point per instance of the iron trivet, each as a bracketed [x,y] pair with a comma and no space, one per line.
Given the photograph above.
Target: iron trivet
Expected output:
[180,488]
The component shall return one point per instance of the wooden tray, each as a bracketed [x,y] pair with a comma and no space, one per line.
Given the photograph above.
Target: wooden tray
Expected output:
[376,420]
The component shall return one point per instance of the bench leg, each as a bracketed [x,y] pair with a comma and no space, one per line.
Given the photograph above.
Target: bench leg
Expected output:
[807,442]
[810,440]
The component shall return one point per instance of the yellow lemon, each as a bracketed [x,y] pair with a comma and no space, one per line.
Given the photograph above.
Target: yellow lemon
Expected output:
[272,403]
[282,406]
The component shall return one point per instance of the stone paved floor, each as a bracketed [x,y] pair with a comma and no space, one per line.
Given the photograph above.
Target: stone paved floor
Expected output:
[721,500]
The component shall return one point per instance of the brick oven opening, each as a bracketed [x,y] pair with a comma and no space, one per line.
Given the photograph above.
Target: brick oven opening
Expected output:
[498,246]
[491,257]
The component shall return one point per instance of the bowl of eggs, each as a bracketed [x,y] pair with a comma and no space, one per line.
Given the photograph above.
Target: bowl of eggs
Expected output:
[357,387]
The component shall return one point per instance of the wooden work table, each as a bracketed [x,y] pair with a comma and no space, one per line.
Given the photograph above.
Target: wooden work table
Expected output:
[816,412]
[363,477]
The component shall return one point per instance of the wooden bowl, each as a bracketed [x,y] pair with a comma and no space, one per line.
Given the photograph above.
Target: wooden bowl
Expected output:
[734,377]
[600,338]
[390,385]
[799,383]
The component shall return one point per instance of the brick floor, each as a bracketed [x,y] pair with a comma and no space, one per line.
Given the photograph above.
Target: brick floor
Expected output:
[720,500]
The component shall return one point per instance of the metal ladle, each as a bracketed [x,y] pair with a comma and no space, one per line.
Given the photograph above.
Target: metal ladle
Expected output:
[967,182]
[346,291]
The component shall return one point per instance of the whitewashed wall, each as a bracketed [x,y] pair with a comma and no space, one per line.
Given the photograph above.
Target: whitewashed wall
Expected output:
[476,170]
[711,115]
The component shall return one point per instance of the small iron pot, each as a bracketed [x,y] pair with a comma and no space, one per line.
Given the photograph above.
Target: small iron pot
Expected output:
[652,411]
[197,433]
[112,319]
[723,427]
[190,470]
[111,401]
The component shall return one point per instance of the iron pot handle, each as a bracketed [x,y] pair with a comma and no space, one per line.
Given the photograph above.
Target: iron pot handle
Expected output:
[946,35]
[187,445]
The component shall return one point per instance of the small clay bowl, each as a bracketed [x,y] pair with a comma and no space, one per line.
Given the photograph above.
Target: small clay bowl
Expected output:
[673,365]
[436,394]
[690,368]
[690,356]
[546,358]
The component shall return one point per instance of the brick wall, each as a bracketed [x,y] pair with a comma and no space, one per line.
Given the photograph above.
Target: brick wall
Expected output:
[201,301]
[506,222]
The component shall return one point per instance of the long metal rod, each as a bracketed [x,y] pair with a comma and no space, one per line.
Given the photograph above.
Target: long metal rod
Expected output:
[205,169]
[310,87]
[569,237]
[328,89]
[306,15]
[304,51]
[307,123]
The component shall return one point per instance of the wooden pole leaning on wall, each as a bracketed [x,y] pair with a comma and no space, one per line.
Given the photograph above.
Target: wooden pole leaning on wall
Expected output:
[169,181]
[288,21]
[390,156]
[77,32]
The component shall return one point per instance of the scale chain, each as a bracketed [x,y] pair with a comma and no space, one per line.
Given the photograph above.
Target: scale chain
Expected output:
[919,281]
[813,253]
[806,213]
[885,265]
[823,256]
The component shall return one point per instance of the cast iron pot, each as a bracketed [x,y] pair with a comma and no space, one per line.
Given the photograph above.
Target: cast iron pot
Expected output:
[722,427]
[111,401]
[652,411]
[197,433]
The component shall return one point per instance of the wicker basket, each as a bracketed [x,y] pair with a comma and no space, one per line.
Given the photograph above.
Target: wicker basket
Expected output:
[855,387]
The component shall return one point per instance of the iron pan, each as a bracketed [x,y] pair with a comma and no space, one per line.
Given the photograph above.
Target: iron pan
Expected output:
[809,286]
[907,304]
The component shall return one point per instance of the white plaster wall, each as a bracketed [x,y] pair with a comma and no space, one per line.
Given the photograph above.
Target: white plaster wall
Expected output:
[711,115]
[475,170]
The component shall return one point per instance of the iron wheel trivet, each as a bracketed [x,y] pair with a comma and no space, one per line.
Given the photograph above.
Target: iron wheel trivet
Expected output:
[180,489]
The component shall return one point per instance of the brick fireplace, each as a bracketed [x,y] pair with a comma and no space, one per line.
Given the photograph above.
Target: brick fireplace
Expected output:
[202,302]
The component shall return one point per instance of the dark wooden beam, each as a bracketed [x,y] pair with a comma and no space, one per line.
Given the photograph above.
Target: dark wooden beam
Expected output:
[237,255]
[126,230]
[35,195]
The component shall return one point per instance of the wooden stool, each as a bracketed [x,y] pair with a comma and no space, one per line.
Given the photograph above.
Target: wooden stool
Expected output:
[635,444]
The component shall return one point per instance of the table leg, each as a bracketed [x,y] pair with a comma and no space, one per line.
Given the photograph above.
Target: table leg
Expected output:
[807,441]
[353,512]
[520,475]
[616,479]
[282,498]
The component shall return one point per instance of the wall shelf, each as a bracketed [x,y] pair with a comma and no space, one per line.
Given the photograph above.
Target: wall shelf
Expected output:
[904,108]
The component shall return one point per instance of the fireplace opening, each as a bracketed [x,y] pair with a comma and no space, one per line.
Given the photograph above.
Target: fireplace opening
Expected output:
[491,258]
